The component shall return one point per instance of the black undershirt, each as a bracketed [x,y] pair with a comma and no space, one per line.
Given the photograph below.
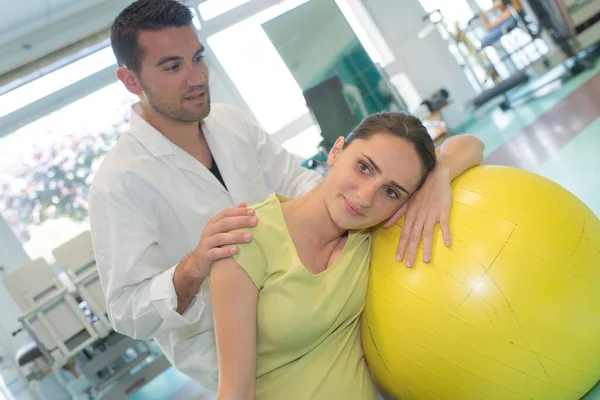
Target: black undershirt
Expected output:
[214,169]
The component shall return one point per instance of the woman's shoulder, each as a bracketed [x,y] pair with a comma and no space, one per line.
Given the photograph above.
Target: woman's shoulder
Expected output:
[269,213]
[272,203]
[256,256]
[271,225]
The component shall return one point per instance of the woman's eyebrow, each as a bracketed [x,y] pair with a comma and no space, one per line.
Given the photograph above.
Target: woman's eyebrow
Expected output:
[376,167]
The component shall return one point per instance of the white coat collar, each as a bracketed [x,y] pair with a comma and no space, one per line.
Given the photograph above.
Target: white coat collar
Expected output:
[159,146]
[154,141]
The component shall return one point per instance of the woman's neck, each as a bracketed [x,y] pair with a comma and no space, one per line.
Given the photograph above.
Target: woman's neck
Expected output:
[308,219]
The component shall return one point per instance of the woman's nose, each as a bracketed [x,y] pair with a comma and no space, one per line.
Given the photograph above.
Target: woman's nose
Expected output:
[366,194]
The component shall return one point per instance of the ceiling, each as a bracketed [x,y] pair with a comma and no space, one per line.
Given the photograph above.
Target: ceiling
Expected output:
[23,17]
[31,29]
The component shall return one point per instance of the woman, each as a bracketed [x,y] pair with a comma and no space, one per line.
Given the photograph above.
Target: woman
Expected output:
[287,306]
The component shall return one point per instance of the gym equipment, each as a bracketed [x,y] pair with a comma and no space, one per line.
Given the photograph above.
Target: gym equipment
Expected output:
[552,17]
[437,100]
[68,324]
[510,311]
[501,88]
[329,106]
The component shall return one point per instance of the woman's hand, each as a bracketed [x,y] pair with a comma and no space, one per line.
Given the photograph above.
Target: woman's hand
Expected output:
[431,204]
[426,207]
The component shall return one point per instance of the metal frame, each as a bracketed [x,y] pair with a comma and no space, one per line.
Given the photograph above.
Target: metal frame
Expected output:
[133,383]
[81,283]
[38,312]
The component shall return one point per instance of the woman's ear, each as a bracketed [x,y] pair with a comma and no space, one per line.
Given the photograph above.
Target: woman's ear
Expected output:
[335,150]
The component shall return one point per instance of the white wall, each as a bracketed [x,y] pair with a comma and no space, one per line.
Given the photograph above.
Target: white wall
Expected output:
[427,62]
[310,38]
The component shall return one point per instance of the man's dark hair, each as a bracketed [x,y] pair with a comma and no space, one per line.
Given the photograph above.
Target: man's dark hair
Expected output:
[144,15]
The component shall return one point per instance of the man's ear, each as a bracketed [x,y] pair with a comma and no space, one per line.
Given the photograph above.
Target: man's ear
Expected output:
[130,80]
[335,150]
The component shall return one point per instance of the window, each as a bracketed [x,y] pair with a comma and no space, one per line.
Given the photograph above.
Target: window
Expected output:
[365,29]
[305,144]
[195,19]
[453,11]
[47,166]
[213,8]
[56,80]
[257,70]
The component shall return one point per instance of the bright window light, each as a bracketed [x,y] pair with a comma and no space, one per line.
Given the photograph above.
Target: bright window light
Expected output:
[195,19]
[213,8]
[452,11]
[56,80]
[257,70]
[46,168]
[366,31]
[306,143]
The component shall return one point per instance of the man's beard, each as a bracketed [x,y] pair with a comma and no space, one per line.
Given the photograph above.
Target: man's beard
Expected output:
[176,111]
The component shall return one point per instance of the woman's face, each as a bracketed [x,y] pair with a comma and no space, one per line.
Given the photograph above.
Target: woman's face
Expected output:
[370,179]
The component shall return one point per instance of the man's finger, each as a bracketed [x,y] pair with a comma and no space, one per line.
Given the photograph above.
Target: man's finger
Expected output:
[445,227]
[231,223]
[242,205]
[221,252]
[394,218]
[227,239]
[231,212]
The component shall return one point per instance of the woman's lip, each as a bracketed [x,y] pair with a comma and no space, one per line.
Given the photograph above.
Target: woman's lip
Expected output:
[351,209]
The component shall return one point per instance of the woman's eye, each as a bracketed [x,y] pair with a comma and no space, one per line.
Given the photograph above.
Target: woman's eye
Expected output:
[391,193]
[363,167]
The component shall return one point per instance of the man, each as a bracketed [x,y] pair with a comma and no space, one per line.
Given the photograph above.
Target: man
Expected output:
[164,201]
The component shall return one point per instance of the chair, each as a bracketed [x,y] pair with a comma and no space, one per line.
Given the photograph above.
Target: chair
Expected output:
[50,314]
[76,258]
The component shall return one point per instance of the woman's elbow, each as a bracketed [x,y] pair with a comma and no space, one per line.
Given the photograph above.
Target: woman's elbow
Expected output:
[475,146]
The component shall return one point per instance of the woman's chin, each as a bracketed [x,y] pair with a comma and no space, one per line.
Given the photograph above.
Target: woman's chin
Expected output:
[346,221]
[353,223]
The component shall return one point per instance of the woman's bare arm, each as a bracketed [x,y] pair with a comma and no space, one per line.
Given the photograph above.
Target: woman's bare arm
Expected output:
[235,302]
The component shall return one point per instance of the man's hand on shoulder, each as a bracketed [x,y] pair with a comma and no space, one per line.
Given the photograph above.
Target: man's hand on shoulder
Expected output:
[217,242]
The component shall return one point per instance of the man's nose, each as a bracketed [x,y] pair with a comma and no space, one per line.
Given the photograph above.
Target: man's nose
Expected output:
[196,75]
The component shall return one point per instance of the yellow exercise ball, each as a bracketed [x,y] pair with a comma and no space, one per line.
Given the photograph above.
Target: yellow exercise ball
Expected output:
[510,311]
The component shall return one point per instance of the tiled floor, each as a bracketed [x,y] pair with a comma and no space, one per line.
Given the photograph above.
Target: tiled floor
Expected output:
[576,166]
[497,127]
[171,385]
[557,136]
